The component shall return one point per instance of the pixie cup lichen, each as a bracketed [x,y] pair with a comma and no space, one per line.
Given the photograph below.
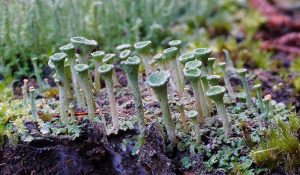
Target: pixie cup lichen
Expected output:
[106,72]
[131,67]
[193,64]
[242,72]
[213,80]
[37,73]
[158,82]
[82,72]
[192,115]
[143,48]
[58,60]
[109,58]
[258,91]
[122,47]
[124,54]
[170,55]
[202,54]
[97,58]
[70,51]
[84,46]
[193,75]
[32,103]
[216,93]
[186,57]
[210,65]
[228,86]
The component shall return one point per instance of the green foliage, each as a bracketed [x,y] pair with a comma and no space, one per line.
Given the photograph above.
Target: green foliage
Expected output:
[281,146]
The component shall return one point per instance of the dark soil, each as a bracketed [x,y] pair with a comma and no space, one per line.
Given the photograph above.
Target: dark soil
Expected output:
[91,153]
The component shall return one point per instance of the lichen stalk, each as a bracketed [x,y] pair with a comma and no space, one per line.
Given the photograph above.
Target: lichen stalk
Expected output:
[193,75]
[216,93]
[37,73]
[228,86]
[82,72]
[242,73]
[58,61]
[158,81]
[32,103]
[131,67]
[193,116]
[258,92]
[70,51]
[106,71]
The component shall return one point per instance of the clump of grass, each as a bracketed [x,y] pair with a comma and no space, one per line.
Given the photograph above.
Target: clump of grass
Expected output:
[281,147]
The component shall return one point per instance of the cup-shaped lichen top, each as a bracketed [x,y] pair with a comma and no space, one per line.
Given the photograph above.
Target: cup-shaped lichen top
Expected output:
[202,54]
[216,93]
[170,53]
[143,47]
[192,114]
[175,43]
[109,58]
[83,44]
[222,66]
[211,61]
[81,68]
[34,59]
[69,49]
[242,72]
[257,87]
[98,55]
[106,70]
[122,47]
[132,61]
[125,54]
[78,42]
[213,79]
[193,64]
[158,79]
[58,58]
[192,73]
[186,57]
[158,58]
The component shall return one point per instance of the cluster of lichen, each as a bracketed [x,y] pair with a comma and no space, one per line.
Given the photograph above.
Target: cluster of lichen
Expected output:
[82,59]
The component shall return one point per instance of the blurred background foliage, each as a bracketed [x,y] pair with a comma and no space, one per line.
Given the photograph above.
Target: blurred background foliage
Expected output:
[30,28]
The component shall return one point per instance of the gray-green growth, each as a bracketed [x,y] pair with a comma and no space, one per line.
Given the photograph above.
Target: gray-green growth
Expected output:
[216,93]
[37,73]
[70,51]
[242,72]
[143,48]
[32,103]
[193,116]
[131,67]
[258,92]
[193,75]
[82,72]
[228,86]
[158,82]
[58,60]
[107,71]
[213,80]
[97,58]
